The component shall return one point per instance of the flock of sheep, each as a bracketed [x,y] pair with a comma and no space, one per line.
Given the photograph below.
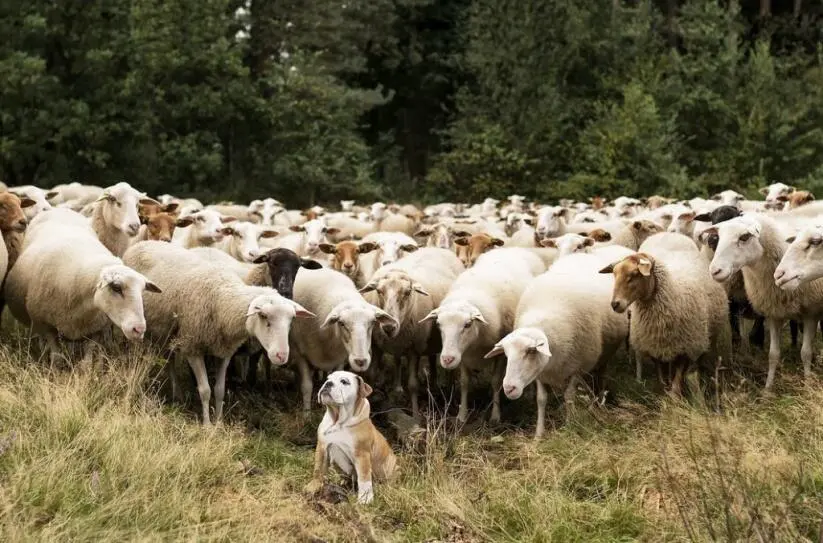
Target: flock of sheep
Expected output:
[522,292]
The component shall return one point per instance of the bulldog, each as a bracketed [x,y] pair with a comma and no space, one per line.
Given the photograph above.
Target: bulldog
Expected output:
[347,437]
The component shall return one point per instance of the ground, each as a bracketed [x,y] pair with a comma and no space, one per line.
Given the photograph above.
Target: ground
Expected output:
[100,456]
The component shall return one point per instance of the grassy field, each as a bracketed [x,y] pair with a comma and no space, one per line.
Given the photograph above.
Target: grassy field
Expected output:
[98,456]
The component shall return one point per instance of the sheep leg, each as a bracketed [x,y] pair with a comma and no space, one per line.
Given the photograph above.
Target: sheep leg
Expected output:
[413,385]
[677,380]
[775,327]
[542,399]
[251,372]
[497,384]
[793,330]
[306,384]
[175,385]
[806,350]
[198,366]
[266,371]
[220,389]
[463,411]
[734,321]
[398,375]
[757,333]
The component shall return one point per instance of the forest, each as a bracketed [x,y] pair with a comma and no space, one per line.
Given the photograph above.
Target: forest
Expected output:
[415,100]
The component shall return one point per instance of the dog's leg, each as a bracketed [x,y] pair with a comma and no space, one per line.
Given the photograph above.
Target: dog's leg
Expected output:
[463,412]
[321,465]
[362,464]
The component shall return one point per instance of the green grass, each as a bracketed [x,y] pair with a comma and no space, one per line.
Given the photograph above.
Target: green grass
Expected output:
[98,456]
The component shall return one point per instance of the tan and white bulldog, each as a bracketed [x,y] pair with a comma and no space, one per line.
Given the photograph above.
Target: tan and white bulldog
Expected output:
[347,437]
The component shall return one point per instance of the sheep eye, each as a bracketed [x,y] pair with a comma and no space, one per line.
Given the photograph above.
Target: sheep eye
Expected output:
[468,324]
[814,242]
[201,219]
[116,288]
[745,237]
[345,382]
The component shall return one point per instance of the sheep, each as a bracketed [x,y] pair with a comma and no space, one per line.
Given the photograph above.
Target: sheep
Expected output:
[799,198]
[75,196]
[551,222]
[114,217]
[394,222]
[13,225]
[574,243]
[729,198]
[306,238]
[654,202]
[409,290]
[345,258]
[346,330]
[635,233]
[683,221]
[242,240]
[346,205]
[755,244]
[67,283]
[41,199]
[670,290]
[200,229]
[239,212]
[265,211]
[803,261]
[349,227]
[776,191]
[563,329]
[207,310]
[470,248]
[440,235]
[478,310]
[391,246]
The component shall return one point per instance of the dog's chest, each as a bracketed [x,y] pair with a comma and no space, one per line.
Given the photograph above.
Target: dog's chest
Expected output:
[340,448]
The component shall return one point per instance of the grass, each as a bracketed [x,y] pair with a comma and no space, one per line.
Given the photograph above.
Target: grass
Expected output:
[98,455]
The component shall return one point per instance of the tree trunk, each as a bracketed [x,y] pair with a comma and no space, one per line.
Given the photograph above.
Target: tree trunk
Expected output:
[765,8]
[798,7]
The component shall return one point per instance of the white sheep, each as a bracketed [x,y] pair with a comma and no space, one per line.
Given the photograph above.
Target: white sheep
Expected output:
[66,283]
[202,228]
[563,329]
[208,310]
[551,222]
[41,199]
[478,310]
[755,244]
[391,246]
[803,260]
[114,216]
[242,240]
[266,210]
[408,290]
[305,238]
[343,330]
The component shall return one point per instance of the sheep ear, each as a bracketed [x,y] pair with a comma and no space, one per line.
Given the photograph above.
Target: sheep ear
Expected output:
[184,222]
[792,189]
[716,197]
[497,242]
[542,347]
[151,287]
[370,286]
[644,266]
[26,202]
[171,208]
[608,269]
[461,234]
[269,234]
[598,234]
[422,233]
[301,312]
[588,242]
[297,228]
[228,231]
[496,351]
[252,311]
[418,288]
[431,316]
[103,196]
[328,248]
[224,220]
[409,248]
[703,217]
[261,259]
[332,318]
[332,231]
[551,243]
[529,221]
[461,241]
[637,225]
[150,202]
[366,247]
[310,264]
[51,194]
[478,316]
[763,190]
[384,319]
[791,239]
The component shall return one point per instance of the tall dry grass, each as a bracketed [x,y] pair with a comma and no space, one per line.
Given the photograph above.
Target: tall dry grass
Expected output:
[91,455]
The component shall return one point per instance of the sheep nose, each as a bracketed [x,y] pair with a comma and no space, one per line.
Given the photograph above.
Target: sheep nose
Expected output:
[509,389]
[348,265]
[716,271]
[134,227]
[22,224]
[386,262]
[778,273]
[359,363]
[167,239]
[615,305]
[281,356]
[446,360]
[139,330]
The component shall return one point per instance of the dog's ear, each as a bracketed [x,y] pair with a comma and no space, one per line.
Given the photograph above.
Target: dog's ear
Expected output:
[364,390]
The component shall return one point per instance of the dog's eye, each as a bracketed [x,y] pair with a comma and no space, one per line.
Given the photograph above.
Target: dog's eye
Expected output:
[344,382]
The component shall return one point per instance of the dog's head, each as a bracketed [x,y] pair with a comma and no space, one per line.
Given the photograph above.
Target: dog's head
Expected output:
[343,389]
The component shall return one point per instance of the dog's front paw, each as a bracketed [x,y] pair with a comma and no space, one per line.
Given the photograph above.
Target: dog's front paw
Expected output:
[313,486]
[366,494]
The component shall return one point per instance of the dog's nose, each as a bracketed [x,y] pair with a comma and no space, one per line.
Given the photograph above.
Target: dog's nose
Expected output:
[327,384]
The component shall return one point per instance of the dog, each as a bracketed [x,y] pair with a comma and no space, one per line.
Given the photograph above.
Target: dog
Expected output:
[347,437]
